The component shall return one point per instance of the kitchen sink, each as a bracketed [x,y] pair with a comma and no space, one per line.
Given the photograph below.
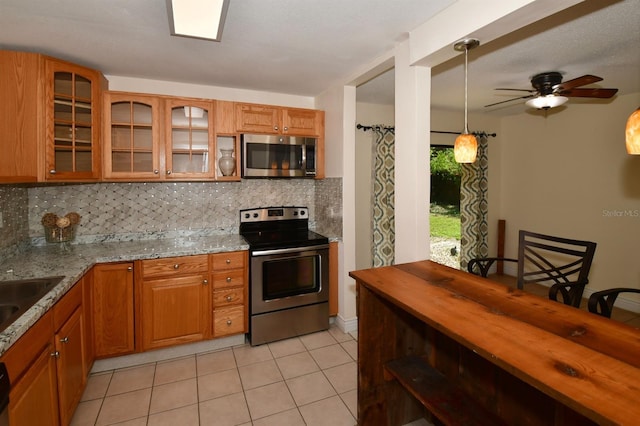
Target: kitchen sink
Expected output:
[16,297]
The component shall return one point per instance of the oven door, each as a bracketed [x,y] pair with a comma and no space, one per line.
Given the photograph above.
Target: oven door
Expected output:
[288,278]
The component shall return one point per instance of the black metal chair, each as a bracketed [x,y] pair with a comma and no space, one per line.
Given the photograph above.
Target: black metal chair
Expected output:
[562,263]
[601,302]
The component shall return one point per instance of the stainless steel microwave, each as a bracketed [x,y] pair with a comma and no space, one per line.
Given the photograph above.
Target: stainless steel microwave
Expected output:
[278,156]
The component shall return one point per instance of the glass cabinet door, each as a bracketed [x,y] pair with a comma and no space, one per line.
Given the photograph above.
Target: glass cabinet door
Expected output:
[72,123]
[189,148]
[131,137]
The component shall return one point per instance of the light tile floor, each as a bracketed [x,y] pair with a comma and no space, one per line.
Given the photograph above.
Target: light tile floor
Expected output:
[307,380]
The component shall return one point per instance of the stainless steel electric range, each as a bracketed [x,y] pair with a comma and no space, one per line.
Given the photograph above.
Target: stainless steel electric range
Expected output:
[288,273]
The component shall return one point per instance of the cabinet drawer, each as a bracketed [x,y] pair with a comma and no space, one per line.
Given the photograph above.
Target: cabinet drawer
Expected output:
[229,260]
[228,321]
[174,265]
[232,296]
[228,279]
[63,309]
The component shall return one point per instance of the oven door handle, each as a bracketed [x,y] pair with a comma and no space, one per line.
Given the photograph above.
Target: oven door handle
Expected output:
[289,250]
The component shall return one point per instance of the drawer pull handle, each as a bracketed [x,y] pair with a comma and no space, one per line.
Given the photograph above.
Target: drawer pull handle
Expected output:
[176,266]
[229,298]
[64,340]
[228,261]
[228,279]
[205,282]
[228,322]
[55,354]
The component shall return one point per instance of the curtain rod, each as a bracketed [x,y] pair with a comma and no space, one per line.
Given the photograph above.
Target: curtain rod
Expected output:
[392,128]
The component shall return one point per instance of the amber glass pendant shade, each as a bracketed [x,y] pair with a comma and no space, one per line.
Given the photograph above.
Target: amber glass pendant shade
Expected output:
[465,148]
[633,133]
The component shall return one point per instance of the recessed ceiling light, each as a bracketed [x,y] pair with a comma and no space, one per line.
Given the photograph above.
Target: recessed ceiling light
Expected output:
[197,18]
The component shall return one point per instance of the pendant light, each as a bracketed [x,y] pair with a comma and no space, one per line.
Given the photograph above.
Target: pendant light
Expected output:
[633,133]
[465,148]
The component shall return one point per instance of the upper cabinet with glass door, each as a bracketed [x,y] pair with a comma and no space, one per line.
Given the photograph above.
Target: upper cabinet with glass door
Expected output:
[72,149]
[132,137]
[189,152]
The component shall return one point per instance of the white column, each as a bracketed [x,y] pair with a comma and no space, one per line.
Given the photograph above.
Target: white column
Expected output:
[412,180]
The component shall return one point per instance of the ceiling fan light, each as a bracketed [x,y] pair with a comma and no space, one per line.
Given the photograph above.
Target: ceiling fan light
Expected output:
[546,102]
[465,148]
[633,133]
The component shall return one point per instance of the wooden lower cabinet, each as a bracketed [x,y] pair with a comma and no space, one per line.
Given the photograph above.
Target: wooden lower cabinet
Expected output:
[47,366]
[112,301]
[33,399]
[175,304]
[230,295]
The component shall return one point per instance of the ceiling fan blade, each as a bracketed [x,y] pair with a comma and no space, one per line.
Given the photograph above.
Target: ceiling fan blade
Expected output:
[588,93]
[519,90]
[509,100]
[580,81]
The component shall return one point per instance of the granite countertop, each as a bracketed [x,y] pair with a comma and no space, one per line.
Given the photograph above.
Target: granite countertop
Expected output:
[74,260]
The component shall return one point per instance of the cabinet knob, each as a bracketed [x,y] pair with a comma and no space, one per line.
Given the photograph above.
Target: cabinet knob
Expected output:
[205,282]
[228,279]
[52,171]
[168,172]
[229,298]
[55,354]
[130,268]
[176,266]
[228,322]
[228,261]
[286,128]
[64,340]
[275,127]
[156,172]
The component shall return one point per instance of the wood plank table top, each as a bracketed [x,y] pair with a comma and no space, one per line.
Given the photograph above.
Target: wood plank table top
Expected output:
[587,362]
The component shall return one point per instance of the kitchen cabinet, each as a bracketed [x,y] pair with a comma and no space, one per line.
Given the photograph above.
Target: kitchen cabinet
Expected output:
[73,116]
[113,314]
[32,369]
[334,258]
[132,144]
[175,302]
[190,150]
[278,120]
[230,293]
[47,365]
[50,126]
[69,352]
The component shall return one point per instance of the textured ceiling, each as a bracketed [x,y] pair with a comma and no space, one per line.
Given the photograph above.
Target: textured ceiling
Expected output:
[298,47]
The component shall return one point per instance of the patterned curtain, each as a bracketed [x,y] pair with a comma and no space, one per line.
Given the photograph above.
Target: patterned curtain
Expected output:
[383,193]
[474,206]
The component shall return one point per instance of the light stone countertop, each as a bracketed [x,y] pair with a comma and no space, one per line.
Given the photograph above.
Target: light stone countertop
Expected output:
[74,260]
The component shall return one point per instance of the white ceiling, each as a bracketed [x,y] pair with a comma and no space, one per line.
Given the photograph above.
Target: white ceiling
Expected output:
[599,37]
[301,47]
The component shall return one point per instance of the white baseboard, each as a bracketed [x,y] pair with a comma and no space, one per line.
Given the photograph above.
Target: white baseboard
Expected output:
[346,325]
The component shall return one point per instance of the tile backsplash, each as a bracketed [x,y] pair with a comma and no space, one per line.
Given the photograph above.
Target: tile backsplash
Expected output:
[127,211]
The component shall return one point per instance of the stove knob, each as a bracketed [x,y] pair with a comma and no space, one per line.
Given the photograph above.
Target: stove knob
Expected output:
[302,213]
[247,215]
[295,213]
[255,215]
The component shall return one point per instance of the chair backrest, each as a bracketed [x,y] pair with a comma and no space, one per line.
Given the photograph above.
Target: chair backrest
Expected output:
[550,260]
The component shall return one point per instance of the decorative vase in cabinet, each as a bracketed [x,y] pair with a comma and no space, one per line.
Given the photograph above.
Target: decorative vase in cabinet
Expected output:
[227,162]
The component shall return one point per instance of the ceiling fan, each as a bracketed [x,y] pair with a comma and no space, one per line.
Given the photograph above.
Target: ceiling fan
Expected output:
[549,90]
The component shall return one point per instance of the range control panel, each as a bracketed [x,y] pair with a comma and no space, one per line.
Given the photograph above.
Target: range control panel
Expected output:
[265,214]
